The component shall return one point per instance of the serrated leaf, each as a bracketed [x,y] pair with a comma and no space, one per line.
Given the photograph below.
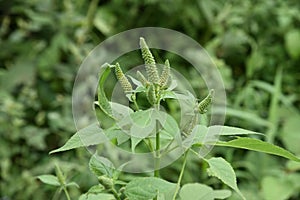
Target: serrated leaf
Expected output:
[148,188]
[49,179]
[221,169]
[260,146]
[101,166]
[91,135]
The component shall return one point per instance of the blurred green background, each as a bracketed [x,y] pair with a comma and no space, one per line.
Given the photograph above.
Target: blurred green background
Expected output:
[255,44]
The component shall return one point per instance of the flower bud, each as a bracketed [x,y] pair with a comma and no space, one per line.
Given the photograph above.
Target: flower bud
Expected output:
[125,84]
[203,105]
[165,74]
[149,62]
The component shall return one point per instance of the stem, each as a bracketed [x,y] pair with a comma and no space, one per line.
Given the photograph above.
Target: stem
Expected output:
[115,193]
[91,14]
[157,145]
[66,192]
[157,155]
[133,98]
[181,175]
[273,111]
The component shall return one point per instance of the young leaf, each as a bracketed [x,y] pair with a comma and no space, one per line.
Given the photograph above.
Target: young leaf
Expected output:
[72,184]
[148,188]
[49,179]
[101,166]
[90,135]
[221,169]
[197,191]
[102,99]
[260,146]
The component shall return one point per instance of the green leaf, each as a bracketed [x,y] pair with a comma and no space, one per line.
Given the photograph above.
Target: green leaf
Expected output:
[200,132]
[96,189]
[221,169]
[229,130]
[148,188]
[101,166]
[292,43]
[276,188]
[101,196]
[197,191]
[91,135]
[260,146]
[102,99]
[290,133]
[72,184]
[49,179]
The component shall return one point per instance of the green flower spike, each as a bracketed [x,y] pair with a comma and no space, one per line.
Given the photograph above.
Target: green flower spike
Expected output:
[203,105]
[165,74]
[194,121]
[149,62]
[151,95]
[125,84]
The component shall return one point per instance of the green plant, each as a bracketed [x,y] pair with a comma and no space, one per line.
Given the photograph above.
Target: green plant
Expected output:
[157,89]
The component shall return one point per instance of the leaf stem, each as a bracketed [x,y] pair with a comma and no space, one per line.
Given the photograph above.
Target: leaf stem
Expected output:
[66,192]
[181,174]
[115,193]
[157,155]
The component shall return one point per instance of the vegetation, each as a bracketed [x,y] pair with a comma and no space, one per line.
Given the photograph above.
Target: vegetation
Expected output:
[254,44]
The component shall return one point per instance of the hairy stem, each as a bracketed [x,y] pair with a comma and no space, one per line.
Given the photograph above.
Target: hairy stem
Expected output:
[181,175]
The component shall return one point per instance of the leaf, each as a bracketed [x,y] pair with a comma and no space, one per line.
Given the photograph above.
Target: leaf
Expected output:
[49,179]
[290,135]
[197,191]
[102,99]
[148,188]
[292,43]
[72,184]
[221,169]
[222,194]
[91,135]
[116,132]
[101,166]
[101,196]
[229,130]
[199,133]
[260,146]
[276,188]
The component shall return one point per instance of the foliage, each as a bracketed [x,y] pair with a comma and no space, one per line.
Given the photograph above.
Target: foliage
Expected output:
[254,44]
